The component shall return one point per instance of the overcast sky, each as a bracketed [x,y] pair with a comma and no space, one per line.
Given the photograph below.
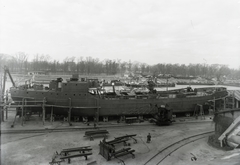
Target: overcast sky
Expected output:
[147,31]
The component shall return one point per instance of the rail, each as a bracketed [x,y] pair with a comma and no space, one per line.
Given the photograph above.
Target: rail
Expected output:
[72,129]
[159,157]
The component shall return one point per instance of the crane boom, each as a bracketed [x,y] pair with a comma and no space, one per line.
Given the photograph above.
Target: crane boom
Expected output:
[6,71]
[10,76]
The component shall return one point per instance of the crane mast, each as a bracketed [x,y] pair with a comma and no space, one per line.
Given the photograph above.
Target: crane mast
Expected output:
[6,71]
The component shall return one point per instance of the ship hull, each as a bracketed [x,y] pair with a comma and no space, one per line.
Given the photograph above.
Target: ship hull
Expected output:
[90,105]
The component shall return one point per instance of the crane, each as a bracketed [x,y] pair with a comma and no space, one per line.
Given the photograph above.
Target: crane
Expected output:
[6,71]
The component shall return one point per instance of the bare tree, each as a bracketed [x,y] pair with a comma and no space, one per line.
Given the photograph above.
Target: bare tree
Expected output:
[21,58]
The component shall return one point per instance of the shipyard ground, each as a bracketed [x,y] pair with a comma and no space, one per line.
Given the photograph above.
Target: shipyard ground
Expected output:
[31,149]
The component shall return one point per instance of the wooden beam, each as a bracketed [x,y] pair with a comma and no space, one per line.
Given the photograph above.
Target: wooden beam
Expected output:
[43,107]
[214,108]
[14,119]
[233,100]
[5,107]
[224,103]
[3,91]
[69,111]
[97,112]
[52,115]
[22,110]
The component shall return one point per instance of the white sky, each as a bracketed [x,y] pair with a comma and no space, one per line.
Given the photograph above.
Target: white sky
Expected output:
[147,31]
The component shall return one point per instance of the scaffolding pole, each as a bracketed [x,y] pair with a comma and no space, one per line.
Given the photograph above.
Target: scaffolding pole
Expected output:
[5,107]
[97,113]
[43,108]
[69,111]
[22,110]
[214,108]
[52,115]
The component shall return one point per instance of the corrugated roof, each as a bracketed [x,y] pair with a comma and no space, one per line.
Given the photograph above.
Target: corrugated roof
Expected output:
[236,94]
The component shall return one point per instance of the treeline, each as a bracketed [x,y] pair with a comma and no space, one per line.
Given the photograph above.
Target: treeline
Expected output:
[20,64]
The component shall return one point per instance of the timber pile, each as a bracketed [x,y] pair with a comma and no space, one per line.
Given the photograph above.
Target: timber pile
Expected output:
[108,150]
[91,134]
[65,154]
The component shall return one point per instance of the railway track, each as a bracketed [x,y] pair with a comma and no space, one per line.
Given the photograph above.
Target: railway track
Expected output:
[42,130]
[48,130]
[159,157]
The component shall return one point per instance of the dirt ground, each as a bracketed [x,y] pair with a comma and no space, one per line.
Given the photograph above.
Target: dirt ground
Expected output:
[31,149]
[204,154]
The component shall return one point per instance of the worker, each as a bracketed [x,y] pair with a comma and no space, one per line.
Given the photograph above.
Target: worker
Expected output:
[104,140]
[148,138]
[54,156]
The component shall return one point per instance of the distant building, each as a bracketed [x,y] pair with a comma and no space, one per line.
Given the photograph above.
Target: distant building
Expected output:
[37,73]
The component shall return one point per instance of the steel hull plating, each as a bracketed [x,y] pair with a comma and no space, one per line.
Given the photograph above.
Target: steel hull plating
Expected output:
[86,104]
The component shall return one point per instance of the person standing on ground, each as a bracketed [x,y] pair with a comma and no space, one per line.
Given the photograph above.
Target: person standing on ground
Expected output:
[148,138]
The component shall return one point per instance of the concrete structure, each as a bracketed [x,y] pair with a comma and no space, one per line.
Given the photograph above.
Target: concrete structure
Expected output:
[227,122]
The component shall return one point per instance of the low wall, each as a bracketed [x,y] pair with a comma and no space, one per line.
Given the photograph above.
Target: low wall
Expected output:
[224,119]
